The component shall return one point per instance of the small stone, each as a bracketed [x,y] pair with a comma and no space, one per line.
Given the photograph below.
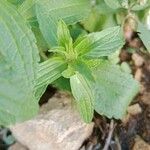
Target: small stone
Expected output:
[17,146]
[58,126]
[140,144]
[134,109]
[145,98]
[138,60]
[138,74]
[142,89]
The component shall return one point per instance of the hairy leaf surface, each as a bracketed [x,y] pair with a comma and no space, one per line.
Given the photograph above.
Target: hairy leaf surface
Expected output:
[48,72]
[27,9]
[114,90]
[18,64]
[100,44]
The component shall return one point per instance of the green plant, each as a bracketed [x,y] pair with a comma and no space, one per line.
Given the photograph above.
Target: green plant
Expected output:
[83,59]
[135,14]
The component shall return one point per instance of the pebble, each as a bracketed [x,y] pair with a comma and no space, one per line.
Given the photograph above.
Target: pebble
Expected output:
[140,144]
[138,74]
[134,109]
[138,60]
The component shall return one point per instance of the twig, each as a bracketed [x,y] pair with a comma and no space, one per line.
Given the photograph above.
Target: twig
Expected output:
[118,143]
[108,140]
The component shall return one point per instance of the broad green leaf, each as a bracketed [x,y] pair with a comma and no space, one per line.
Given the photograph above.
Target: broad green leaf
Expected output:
[103,8]
[114,90]
[18,65]
[114,4]
[50,11]
[102,43]
[15,2]
[63,35]
[144,34]
[48,72]
[27,9]
[82,92]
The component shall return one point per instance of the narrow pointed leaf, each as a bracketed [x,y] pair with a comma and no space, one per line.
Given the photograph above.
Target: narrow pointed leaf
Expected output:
[63,34]
[48,72]
[50,11]
[81,90]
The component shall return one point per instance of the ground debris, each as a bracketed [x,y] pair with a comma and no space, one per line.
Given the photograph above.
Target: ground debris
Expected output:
[140,144]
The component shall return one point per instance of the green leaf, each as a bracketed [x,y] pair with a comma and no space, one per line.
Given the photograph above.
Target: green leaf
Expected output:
[62,84]
[77,30]
[50,11]
[48,72]
[15,2]
[27,9]
[102,43]
[81,45]
[83,69]
[114,4]
[103,8]
[41,43]
[94,21]
[141,5]
[114,90]
[68,72]
[144,34]
[18,65]
[81,90]
[63,34]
